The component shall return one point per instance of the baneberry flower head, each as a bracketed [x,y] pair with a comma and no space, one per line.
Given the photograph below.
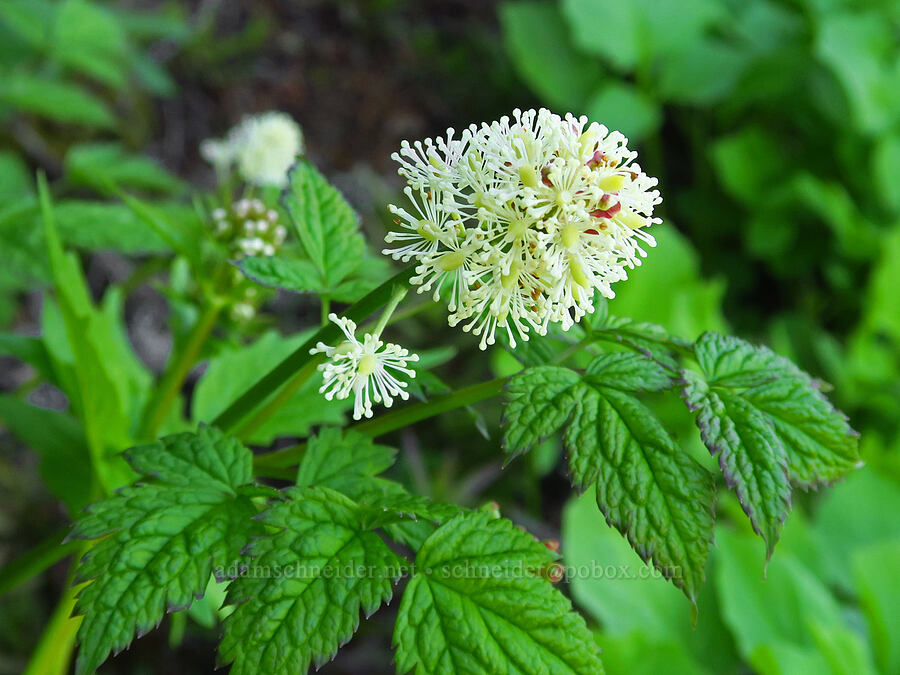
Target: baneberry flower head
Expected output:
[367,369]
[263,147]
[522,220]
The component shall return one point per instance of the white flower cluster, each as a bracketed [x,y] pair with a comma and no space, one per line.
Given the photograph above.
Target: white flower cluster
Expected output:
[363,369]
[262,146]
[520,221]
[249,228]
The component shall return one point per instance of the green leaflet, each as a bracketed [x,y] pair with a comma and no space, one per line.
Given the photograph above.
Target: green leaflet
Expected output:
[302,276]
[292,274]
[479,604]
[161,539]
[325,223]
[348,463]
[771,423]
[751,457]
[323,568]
[647,487]
[649,339]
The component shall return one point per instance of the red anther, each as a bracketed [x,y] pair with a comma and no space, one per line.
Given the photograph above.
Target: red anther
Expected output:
[544,177]
[596,159]
[592,231]
[552,544]
[608,213]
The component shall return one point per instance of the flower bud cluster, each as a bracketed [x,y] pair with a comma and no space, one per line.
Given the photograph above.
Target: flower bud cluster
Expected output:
[248,227]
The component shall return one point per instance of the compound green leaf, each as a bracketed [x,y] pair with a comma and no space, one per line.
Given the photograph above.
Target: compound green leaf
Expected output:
[647,487]
[230,373]
[291,274]
[160,540]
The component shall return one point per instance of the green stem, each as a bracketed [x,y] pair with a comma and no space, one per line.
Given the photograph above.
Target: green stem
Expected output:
[49,552]
[410,312]
[326,309]
[392,421]
[396,299]
[54,650]
[577,347]
[178,370]
[285,370]
[265,413]
[142,273]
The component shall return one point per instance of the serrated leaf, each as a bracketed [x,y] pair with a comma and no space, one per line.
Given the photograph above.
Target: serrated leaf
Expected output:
[161,539]
[396,505]
[292,275]
[325,223]
[540,401]
[751,456]
[628,372]
[348,463]
[479,604]
[819,443]
[647,487]
[207,458]
[649,339]
[283,623]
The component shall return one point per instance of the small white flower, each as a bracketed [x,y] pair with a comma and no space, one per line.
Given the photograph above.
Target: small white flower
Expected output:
[219,153]
[262,146]
[267,146]
[363,369]
[527,217]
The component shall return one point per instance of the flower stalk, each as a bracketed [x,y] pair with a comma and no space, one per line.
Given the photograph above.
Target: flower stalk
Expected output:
[269,383]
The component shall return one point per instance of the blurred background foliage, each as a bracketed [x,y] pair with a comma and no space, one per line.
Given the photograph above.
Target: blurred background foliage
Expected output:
[773,126]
